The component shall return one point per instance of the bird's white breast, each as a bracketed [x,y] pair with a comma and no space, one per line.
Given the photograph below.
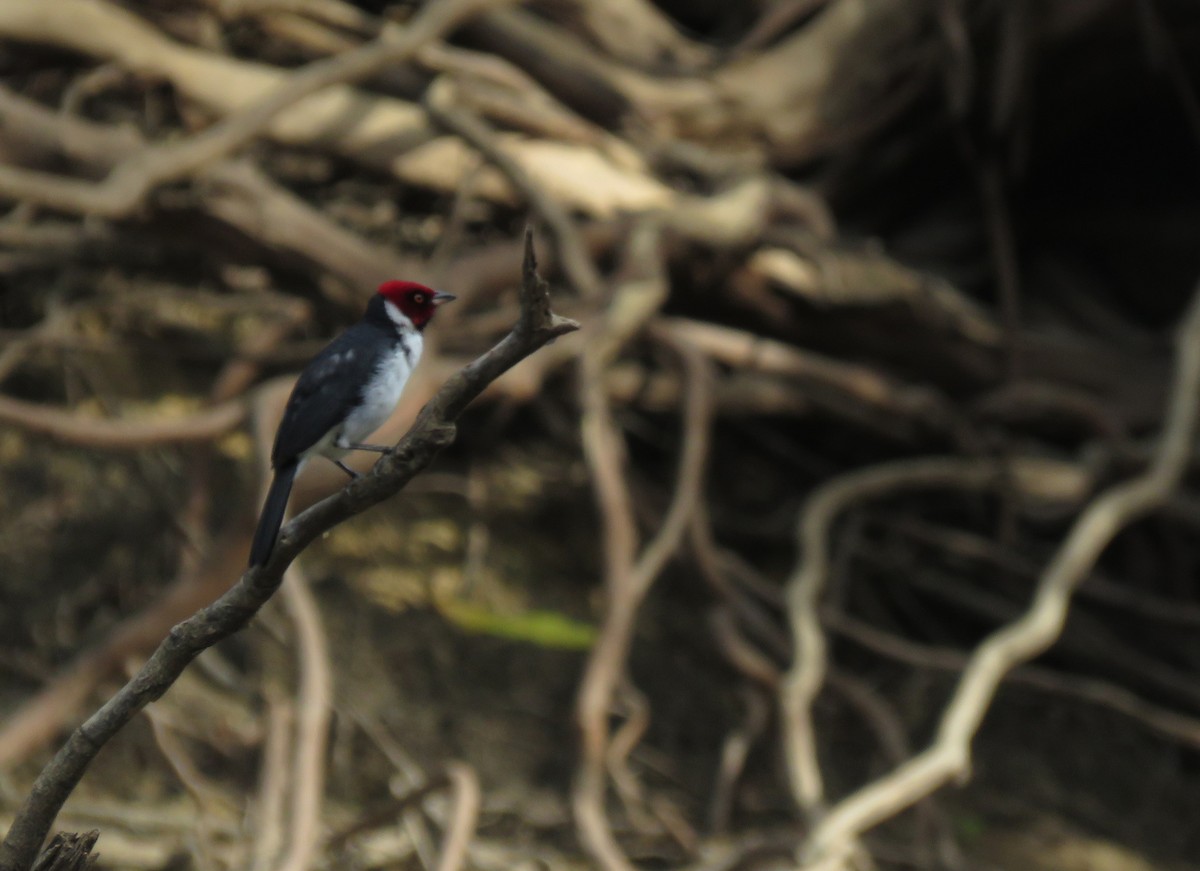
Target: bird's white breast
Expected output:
[383,390]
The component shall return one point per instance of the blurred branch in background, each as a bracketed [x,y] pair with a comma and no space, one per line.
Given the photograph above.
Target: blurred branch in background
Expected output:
[903,269]
[831,843]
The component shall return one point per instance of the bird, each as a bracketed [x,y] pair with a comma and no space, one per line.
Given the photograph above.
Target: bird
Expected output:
[345,393]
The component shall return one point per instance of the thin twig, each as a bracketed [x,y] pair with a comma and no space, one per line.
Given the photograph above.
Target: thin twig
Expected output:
[464,788]
[388,813]
[627,581]
[433,430]
[735,751]
[268,813]
[314,711]
[408,775]
[206,796]
[631,704]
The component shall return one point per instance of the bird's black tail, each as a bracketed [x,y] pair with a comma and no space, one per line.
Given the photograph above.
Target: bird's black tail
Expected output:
[272,513]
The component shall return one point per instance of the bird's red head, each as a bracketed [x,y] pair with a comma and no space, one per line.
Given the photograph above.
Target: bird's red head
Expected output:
[415,301]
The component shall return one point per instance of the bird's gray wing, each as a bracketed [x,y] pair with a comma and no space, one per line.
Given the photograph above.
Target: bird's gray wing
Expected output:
[328,388]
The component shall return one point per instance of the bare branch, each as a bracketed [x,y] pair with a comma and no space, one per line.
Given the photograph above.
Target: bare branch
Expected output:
[99,432]
[433,430]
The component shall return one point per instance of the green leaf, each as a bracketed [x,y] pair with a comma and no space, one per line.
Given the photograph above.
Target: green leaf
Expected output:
[543,628]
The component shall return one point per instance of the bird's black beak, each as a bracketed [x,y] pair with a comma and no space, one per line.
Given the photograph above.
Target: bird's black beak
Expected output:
[439,297]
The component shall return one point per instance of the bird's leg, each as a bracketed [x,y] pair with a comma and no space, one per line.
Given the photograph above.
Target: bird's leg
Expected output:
[356,446]
[378,449]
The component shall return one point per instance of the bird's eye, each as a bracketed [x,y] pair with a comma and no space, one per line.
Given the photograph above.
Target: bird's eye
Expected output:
[418,298]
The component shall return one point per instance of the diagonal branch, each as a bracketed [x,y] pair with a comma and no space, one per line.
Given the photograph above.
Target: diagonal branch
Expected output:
[433,430]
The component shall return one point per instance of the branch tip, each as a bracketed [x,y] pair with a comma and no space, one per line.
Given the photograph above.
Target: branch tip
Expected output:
[529,267]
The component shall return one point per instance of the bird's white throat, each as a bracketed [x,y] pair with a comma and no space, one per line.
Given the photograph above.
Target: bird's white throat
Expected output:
[397,317]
